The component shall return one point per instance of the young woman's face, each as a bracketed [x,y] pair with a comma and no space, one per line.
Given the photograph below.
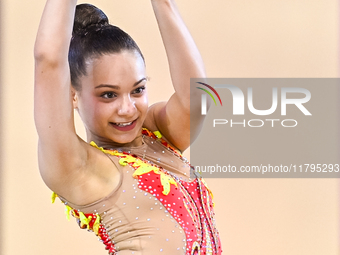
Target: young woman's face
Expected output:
[113,100]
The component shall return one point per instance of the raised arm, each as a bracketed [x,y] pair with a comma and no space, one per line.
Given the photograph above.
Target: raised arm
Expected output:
[63,156]
[53,109]
[173,118]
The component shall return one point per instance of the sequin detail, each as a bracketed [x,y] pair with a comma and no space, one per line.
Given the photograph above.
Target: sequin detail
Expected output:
[157,135]
[91,222]
[141,167]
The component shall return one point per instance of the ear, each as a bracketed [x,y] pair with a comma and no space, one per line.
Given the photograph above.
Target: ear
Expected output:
[74,98]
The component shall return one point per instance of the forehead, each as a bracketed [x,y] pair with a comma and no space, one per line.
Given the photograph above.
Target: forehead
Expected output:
[120,69]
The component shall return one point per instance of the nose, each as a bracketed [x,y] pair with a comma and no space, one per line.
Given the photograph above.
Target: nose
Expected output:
[127,106]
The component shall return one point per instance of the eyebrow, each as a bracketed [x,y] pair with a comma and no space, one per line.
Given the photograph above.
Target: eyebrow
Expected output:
[118,87]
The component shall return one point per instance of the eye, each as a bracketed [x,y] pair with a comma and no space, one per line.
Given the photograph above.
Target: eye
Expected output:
[139,90]
[108,95]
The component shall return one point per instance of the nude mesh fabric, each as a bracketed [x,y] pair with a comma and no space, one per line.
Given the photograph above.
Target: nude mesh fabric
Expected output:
[136,220]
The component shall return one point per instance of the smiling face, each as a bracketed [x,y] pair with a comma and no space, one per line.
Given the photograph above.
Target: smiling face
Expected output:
[113,101]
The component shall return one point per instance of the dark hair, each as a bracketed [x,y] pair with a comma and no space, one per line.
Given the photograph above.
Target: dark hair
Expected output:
[93,36]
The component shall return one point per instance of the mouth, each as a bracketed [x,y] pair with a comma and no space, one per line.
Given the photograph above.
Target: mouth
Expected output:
[124,126]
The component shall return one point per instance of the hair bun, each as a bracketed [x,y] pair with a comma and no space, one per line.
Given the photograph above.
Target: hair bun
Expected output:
[88,16]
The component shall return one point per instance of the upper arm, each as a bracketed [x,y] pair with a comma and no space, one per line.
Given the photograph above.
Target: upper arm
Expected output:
[68,165]
[179,125]
[60,149]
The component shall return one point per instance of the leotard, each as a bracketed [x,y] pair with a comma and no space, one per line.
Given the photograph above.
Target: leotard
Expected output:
[156,208]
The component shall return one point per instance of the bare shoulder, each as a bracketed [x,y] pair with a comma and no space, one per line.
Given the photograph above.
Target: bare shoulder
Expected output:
[173,132]
[150,120]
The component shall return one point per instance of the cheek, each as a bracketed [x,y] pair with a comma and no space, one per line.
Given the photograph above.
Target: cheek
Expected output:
[143,104]
[90,111]
[102,111]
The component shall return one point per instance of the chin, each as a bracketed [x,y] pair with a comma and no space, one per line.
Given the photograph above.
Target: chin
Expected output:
[127,137]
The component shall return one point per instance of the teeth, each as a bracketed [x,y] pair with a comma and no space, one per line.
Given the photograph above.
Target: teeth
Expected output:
[123,125]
